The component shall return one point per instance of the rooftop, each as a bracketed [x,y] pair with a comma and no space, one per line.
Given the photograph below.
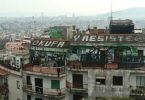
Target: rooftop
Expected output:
[43,70]
[17,47]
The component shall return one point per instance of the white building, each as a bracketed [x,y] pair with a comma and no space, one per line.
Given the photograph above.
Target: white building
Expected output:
[44,77]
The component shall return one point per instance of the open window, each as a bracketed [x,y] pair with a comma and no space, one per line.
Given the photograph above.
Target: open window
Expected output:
[117,80]
[100,80]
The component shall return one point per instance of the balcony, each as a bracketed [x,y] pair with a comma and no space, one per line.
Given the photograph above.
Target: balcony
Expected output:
[139,91]
[83,65]
[76,87]
[124,62]
[45,92]
[49,71]
[130,62]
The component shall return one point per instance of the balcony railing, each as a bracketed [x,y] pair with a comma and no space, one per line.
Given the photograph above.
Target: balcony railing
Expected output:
[81,65]
[45,70]
[132,61]
[127,62]
[139,91]
[46,92]
[4,90]
[76,87]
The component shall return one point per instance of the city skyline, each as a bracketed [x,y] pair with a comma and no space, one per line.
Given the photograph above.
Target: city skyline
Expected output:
[14,8]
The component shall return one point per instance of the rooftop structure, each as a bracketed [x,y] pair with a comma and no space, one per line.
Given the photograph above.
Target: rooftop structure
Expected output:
[121,26]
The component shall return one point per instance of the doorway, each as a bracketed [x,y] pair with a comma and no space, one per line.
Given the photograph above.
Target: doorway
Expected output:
[77,81]
[39,85]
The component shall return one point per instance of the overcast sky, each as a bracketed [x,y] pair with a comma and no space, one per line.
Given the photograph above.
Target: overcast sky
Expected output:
[64,7]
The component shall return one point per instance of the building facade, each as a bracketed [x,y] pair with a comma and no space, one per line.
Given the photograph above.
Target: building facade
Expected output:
[44,77]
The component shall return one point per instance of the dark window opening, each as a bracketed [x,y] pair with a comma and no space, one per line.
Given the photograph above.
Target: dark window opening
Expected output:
[118,80]
[28,80]
[100,81]
[39,85]
[140,52]
[77,81]
[28,97]
[78,97]
[38,98]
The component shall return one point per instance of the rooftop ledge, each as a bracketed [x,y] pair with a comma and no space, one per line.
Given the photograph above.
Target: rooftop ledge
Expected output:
[44,70]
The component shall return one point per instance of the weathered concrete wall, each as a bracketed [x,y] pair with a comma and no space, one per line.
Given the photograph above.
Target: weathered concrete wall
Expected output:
[108,89]
[69,78]
[46,83]
[14,92]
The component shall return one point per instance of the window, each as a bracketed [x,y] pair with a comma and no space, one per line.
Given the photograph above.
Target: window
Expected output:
[140,52]
[55,84]
[140,80]
[118,80]
[28,97]
[18,85]
[100,81]
[28,80]
[38,98]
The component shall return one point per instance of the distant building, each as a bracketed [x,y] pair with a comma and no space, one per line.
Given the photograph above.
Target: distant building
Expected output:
[65,32]
[12,60]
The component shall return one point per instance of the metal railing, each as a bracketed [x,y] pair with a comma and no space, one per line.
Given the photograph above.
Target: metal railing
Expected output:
[4,89]
[81,65]
[47,92]
[137,91]
[127,62]
[131,61]
[76,86]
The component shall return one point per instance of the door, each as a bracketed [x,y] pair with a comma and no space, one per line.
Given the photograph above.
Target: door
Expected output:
[28,80]
[39,85]
[103,57]
[77,81]
[116,55]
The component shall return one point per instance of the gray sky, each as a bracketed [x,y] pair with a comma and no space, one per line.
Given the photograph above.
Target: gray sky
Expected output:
[64,7]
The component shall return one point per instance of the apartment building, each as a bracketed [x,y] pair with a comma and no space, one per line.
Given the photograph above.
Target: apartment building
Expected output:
[44,77]
[94,64]
[16,55]
[107,65]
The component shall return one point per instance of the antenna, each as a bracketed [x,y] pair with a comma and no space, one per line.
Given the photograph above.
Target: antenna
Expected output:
[111,12]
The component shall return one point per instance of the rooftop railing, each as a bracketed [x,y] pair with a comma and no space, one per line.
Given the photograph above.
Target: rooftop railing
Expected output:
[45,70]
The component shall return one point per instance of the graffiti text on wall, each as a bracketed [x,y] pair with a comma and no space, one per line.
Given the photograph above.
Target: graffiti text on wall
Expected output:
[47,43]
[109,38]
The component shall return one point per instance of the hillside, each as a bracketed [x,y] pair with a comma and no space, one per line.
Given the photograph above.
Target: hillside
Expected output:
[130,13]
